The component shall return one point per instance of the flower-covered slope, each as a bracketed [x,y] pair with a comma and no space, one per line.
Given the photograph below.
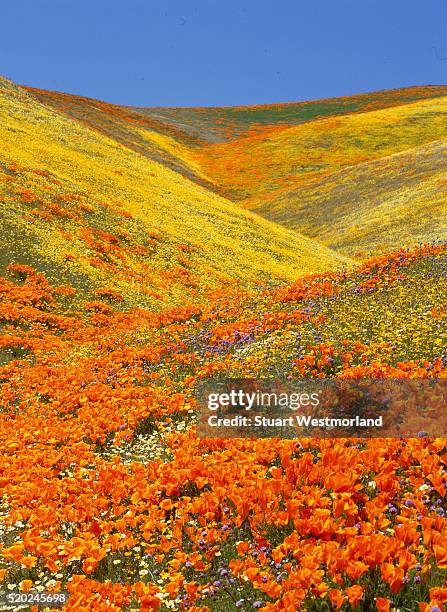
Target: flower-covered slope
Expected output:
[124,283]
[280,158]
[88,209]
[108,493]
[362,183]
[150,137]
[312,166]
[373,206]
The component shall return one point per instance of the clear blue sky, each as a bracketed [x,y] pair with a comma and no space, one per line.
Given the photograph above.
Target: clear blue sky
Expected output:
[222,52]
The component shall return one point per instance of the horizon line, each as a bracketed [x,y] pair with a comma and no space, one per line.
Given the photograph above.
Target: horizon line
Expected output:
[235,106]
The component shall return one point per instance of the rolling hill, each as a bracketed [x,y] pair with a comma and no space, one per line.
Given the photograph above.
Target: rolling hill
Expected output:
[106,194]
[363,183]
[127,279]
[253,167]
[371,207]
[84,207]
[154,139]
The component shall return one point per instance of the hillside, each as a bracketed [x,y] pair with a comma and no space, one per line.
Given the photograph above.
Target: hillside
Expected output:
[154,139]
[362,184]
[353,173]
[110,492]
[91,211]
[251,168]
[371,207]
[126,281]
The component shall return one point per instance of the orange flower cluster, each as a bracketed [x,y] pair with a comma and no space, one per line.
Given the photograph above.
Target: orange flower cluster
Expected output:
[108,493]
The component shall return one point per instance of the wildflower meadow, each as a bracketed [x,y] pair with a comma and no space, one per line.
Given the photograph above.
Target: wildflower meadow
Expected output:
[144,252]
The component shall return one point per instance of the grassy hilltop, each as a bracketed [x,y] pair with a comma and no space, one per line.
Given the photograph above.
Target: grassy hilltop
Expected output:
[144,250]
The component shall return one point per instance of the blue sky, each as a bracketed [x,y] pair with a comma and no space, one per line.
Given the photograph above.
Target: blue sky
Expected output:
[209,52]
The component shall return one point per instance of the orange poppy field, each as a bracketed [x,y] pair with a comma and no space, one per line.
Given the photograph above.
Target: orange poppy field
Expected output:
[146,250]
